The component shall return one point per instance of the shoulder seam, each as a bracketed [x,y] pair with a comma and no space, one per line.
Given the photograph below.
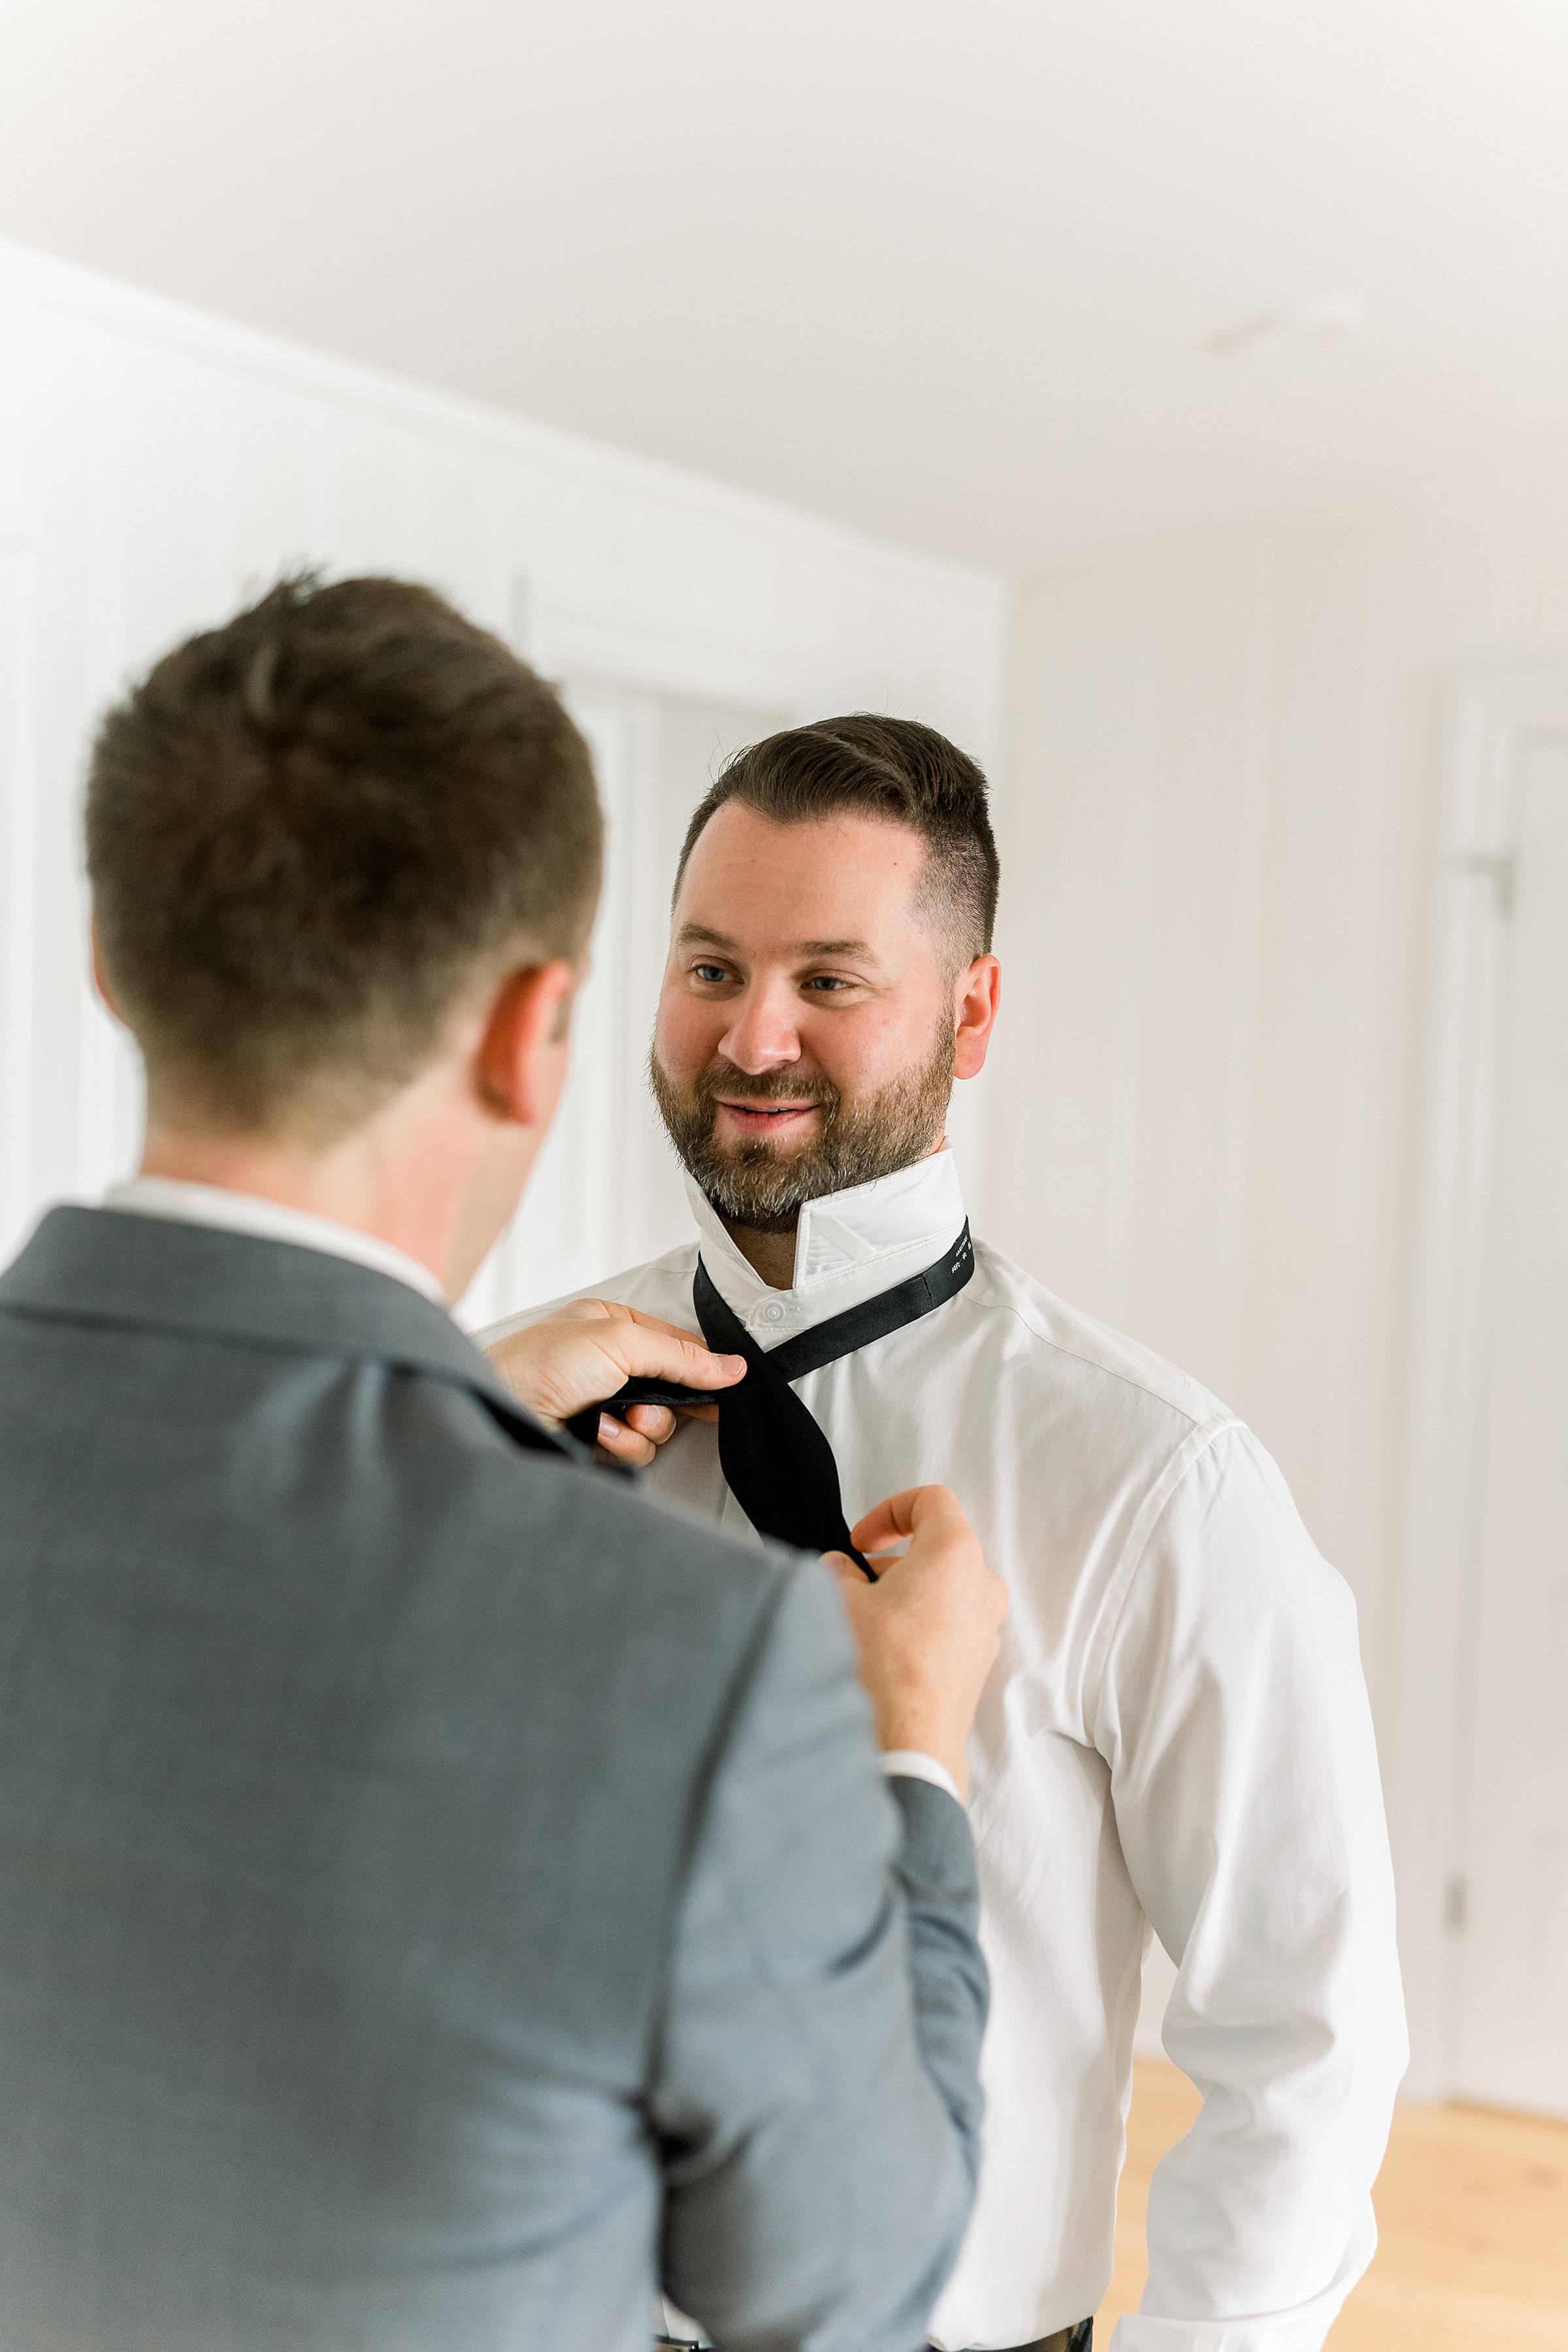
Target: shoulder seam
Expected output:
[1201,1440]
[1077,1356]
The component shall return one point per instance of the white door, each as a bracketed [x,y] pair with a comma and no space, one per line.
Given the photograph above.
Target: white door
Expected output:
[1513,1944]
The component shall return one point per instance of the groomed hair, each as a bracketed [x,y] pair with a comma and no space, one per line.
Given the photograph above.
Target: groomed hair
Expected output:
[890,768]
[312,831]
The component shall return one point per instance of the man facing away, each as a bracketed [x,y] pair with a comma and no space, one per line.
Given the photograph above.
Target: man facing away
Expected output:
[1178,1732]
[441,1892]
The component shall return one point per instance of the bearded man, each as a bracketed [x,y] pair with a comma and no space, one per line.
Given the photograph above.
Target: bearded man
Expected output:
[1176,1735]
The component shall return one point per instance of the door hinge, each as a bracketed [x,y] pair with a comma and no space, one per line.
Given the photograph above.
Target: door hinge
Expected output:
[1456,1902]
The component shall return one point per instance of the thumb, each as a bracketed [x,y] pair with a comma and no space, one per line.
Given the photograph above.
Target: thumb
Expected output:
[936,1510]
[851,1578]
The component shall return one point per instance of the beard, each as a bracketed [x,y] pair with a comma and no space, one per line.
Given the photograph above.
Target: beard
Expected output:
[756,1184]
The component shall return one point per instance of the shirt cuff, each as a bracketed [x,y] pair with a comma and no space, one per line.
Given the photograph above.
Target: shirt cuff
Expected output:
[911,1764]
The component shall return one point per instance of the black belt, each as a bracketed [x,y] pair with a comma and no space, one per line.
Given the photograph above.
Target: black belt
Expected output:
[776,1461]
[1065,2339]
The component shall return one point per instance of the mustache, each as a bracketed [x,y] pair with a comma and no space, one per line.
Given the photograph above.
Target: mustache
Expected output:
[762,1086]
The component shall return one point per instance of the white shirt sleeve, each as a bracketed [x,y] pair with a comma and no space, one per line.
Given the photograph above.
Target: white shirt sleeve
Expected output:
[1232,1709]
[912,1764]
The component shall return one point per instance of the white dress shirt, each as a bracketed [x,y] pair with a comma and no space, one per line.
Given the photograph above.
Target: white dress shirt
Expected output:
[1177,1733]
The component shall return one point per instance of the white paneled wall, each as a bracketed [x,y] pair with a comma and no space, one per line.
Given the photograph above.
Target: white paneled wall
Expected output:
[156,466]
[1218,835]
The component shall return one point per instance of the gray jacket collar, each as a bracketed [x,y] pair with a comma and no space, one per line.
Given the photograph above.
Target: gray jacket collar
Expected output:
[94,1266]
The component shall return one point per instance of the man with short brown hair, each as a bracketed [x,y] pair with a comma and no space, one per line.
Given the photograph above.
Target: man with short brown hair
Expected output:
[442,1894]
[1177,1733]
[309,831]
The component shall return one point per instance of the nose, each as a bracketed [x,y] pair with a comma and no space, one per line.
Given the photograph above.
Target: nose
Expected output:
[763,1034]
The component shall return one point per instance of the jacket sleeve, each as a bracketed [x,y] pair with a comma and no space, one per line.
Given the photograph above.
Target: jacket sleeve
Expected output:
[1245,1779]
[817,2091]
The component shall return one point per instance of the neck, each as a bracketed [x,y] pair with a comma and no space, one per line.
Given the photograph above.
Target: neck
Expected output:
[385,1179]
[770,1255]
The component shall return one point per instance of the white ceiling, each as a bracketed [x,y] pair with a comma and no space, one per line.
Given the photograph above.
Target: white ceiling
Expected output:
[944,268]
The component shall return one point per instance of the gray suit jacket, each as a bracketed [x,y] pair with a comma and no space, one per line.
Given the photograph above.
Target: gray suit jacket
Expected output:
[440,1889]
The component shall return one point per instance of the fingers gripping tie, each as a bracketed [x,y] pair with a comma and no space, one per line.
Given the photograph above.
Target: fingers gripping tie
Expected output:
[776,1460]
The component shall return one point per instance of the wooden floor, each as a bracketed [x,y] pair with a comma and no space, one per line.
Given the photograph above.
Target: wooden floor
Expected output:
[1472,2216]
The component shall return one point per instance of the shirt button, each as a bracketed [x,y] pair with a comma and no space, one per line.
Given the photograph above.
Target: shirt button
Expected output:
[773,1312]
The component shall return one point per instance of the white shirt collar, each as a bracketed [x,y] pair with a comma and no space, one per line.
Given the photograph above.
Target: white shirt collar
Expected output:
[850,1246]
[268,1220]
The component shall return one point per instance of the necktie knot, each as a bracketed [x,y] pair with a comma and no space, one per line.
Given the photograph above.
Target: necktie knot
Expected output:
[776,1460]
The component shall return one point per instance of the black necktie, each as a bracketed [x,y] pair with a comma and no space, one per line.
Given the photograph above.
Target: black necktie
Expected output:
[775,1459]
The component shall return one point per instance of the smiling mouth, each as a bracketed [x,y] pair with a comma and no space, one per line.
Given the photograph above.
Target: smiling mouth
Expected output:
[758,1117]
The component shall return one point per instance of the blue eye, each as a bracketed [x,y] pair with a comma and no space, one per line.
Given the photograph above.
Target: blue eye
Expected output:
[708,972]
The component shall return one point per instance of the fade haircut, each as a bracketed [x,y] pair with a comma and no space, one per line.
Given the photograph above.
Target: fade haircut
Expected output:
[312,832]
[894,769]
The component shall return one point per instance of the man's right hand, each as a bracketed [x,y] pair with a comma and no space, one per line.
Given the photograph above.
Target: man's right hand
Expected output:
[928,1630]
[591,1348]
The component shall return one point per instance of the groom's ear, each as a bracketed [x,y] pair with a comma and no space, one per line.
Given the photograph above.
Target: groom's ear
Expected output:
[101,975]
[519,1065]
[977,1000]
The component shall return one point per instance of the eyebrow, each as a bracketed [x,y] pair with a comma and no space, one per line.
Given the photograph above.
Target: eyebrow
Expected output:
[692,934]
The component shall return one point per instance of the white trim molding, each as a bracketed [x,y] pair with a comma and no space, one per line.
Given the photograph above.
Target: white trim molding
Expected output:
[1490,720]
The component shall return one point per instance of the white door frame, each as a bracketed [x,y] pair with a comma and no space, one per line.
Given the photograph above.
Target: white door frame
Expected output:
[1491,718]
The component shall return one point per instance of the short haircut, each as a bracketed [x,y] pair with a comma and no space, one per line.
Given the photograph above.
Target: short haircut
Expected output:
[312,832]
[894,769]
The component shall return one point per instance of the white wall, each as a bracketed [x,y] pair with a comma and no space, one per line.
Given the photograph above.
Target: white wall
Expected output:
[1216,831]
[157,465]
[1216,809]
